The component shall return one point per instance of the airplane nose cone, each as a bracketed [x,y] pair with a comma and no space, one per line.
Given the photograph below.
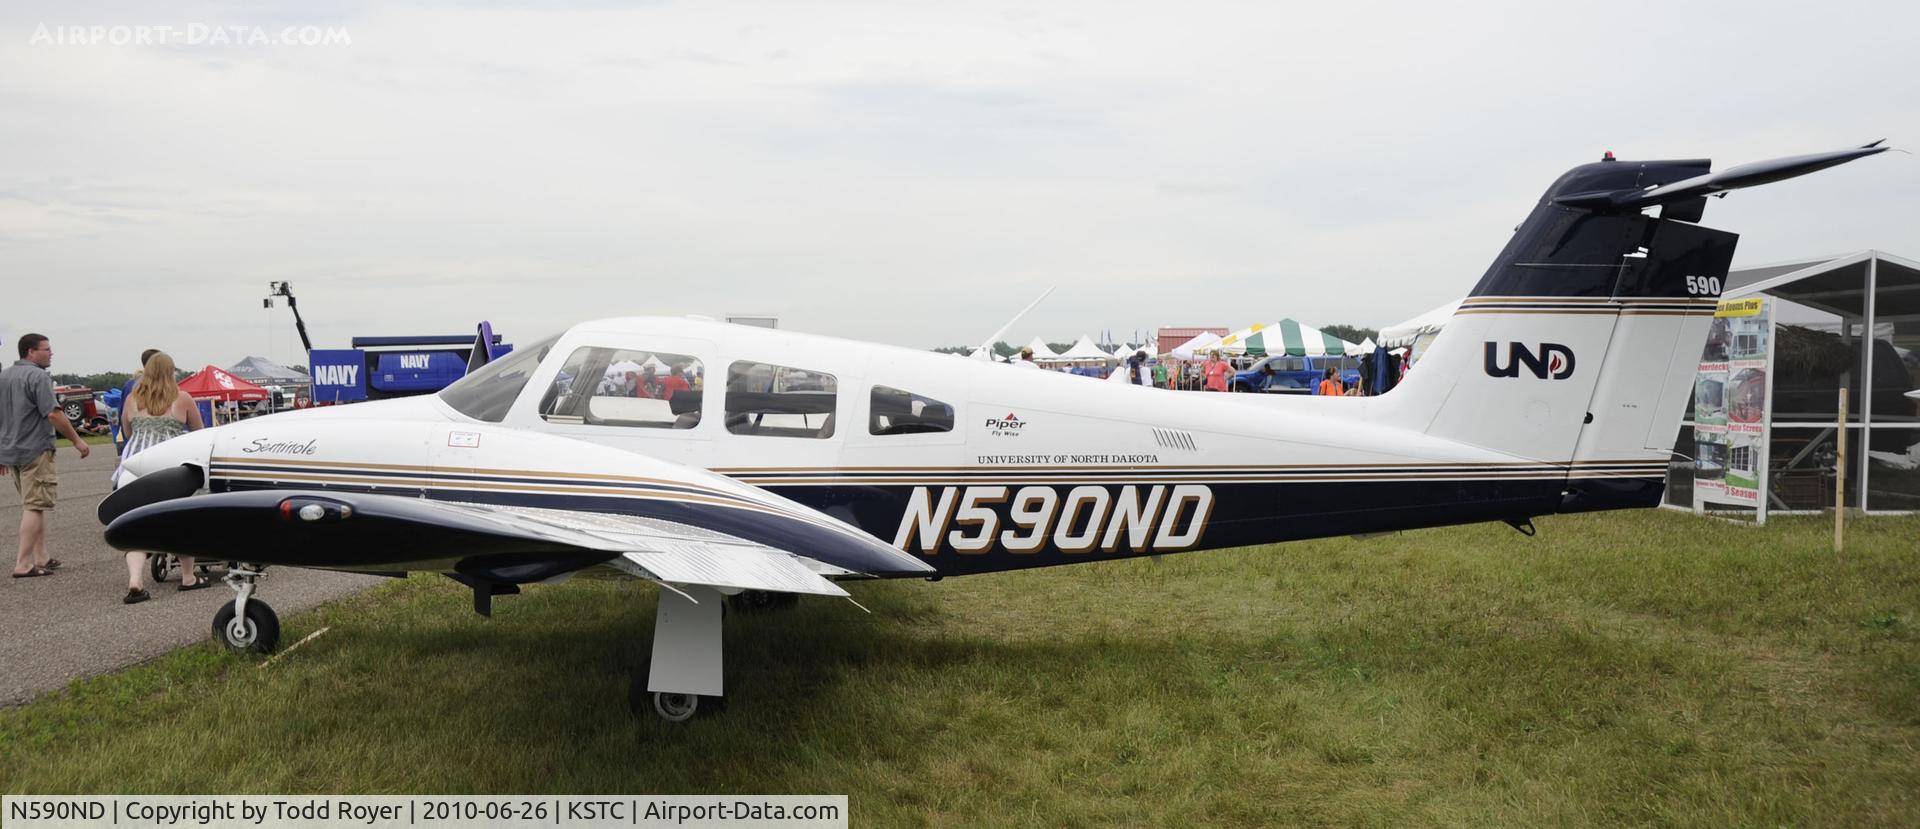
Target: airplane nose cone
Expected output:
[191,448]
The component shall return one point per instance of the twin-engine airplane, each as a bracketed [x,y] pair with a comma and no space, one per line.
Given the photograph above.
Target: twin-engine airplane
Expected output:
[1557,388]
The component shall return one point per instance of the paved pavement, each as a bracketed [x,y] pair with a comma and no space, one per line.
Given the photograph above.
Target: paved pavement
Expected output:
[71,624]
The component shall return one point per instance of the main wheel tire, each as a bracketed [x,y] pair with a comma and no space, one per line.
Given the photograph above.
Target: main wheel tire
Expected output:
[259,632]
[675,708]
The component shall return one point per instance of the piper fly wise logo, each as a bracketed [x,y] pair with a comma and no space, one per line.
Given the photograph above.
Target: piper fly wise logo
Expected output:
[1552,361]
[1005,427]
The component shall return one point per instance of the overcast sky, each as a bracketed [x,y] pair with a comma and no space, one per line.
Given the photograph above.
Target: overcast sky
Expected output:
[912,173]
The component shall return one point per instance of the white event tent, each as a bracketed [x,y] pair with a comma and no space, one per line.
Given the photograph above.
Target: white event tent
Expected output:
[1199,345]
[1082,352]
[1041,350]
[1403,335]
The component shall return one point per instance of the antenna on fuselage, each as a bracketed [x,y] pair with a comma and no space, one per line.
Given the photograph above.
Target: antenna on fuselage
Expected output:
[988,345]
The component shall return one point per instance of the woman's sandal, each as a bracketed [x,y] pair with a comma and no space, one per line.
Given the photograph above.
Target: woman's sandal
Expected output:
[37,571]
[184,587]
[136,597]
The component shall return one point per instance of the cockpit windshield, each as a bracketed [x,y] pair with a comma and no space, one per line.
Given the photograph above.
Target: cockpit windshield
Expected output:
[489,392]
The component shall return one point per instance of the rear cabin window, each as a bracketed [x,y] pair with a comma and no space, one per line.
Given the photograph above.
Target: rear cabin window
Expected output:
[618,387]
[779,401]
[899,412]
[488,392]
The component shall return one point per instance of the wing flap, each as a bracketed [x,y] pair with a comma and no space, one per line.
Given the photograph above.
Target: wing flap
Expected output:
[717,566]
[653,548]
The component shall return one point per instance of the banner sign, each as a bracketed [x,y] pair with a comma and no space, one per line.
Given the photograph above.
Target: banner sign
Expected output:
[339,375]
[418,370]
[1730,406]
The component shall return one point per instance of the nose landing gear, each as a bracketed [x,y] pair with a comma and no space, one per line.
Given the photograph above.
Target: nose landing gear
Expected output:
[246,625]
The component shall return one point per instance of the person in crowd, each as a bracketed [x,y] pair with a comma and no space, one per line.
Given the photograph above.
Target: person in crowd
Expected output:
[1219,373]
[157,412]
[29,417]
[675,380]
[1025,360]
[1267,375]
[126,392]
[1331,386]
[648,385]
[1160,375]
[1130,370]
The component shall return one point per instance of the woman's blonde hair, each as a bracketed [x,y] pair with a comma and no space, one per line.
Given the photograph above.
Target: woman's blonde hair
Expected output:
[157,389]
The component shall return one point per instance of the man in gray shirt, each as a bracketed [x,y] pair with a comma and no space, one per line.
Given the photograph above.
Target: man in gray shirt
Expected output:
[29,416]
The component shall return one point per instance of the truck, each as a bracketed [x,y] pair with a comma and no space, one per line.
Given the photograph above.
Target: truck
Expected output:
[83,408]
[1294,375]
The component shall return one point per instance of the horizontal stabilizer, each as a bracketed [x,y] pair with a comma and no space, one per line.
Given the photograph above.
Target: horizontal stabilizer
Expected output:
[1732,178]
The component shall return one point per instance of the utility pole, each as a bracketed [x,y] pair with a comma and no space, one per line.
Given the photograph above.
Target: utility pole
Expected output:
[1840,478]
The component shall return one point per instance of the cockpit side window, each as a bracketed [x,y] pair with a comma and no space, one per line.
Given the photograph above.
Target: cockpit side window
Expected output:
[780,401]
[623,387]
[898,412]
[487,393]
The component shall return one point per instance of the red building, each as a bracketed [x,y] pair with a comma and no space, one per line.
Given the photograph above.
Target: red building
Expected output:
[1169,336]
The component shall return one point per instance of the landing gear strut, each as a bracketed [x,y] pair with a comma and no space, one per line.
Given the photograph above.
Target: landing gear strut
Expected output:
[245,624]
[684,675]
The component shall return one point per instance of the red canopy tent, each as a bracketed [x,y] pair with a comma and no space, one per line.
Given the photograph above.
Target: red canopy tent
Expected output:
[215,383]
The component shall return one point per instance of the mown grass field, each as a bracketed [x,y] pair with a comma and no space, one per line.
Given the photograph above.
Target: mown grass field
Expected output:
[1621,669]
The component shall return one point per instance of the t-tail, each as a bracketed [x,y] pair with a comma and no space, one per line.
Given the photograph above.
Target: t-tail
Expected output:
[1580,344]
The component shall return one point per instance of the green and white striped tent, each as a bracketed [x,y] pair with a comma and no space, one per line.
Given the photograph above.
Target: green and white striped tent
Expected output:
[1283,337]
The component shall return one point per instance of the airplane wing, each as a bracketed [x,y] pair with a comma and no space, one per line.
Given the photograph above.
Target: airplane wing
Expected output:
[478,544]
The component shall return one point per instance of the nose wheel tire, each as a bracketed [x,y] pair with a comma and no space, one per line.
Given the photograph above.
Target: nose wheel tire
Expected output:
[257,632]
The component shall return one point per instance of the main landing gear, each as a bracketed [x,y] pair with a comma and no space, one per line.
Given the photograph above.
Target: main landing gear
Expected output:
[246,625]
[684,676]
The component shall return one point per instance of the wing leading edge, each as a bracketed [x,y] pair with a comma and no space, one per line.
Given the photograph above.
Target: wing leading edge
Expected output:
[484,543]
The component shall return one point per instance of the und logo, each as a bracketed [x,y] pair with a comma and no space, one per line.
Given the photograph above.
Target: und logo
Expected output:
[1552,362]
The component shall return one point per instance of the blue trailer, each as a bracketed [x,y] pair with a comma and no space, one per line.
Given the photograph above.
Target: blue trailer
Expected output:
[379,368]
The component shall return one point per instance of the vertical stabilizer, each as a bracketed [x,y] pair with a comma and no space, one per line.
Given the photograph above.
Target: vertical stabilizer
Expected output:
[1578,346]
